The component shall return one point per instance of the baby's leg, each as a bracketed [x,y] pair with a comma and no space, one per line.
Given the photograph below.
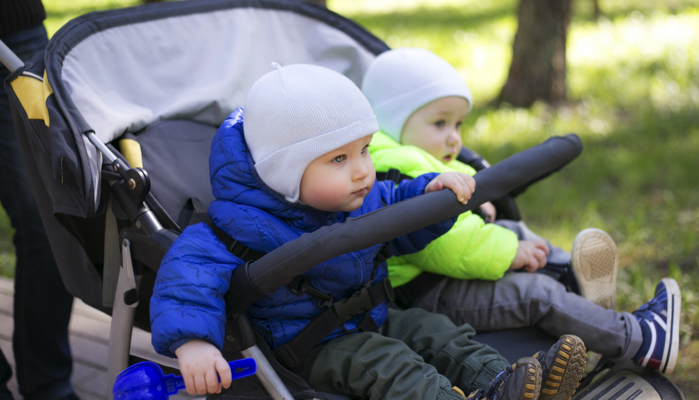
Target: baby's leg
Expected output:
[525,299]
[371,366]
[469,365]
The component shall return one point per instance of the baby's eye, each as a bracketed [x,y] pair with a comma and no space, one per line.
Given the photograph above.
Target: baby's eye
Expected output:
[365,149]
[339,159]
[439,123]
[458,124]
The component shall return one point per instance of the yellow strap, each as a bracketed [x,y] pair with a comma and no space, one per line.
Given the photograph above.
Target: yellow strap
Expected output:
[32,94]
[131,150]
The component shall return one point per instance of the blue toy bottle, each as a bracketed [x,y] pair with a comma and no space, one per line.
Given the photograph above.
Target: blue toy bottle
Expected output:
[145,380]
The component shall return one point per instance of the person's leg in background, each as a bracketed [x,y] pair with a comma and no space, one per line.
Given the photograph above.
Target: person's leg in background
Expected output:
[42,305]
[5,375]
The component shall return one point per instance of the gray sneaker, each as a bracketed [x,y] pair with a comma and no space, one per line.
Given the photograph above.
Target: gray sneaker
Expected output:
[595,261]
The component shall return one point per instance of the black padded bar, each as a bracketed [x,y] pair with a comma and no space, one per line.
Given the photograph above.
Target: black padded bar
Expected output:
[278,267]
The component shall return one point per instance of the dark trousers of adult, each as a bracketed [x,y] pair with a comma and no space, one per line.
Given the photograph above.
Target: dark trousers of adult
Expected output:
[42,305]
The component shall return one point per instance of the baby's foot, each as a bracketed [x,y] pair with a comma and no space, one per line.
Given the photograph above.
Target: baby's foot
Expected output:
[660,325]
[562,367]
[595,260]
[521,381]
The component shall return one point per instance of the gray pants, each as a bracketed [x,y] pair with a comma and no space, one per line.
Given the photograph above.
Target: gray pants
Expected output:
[417,355]
[521,299]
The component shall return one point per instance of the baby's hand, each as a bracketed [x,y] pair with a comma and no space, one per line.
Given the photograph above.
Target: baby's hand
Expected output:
[462,185]
[201,365]
[531,254]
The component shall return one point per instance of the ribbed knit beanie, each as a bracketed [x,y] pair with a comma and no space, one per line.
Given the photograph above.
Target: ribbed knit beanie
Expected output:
[297,113]
[399,82]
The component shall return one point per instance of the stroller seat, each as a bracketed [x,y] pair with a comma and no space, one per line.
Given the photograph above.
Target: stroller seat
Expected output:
[176,155]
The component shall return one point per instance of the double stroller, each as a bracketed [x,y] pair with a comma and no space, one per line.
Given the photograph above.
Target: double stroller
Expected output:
[115,122]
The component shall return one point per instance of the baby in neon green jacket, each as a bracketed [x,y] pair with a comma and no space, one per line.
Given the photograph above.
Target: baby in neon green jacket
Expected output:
[420,102]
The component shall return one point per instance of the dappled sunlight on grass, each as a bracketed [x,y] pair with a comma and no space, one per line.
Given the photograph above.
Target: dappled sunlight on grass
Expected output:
[373,7]
[473,36]
[653,58]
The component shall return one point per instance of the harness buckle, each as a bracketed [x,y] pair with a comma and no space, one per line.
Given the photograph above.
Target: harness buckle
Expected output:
[301,284]
[358,302]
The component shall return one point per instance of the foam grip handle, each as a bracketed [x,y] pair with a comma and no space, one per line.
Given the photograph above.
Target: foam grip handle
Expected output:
[278,267]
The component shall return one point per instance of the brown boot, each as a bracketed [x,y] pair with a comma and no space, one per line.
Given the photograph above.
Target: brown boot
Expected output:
[562,367]
[521,381]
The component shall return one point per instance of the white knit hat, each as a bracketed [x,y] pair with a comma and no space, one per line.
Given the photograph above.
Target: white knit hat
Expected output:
[297,113]
[398,82]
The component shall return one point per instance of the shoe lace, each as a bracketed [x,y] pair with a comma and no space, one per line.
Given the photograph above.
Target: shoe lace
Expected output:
[655,305]
[492,388]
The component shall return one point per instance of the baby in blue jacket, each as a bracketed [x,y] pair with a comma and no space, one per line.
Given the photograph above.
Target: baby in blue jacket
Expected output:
[301,161]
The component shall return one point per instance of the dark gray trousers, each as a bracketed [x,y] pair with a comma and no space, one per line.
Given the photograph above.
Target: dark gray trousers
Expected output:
[417,355]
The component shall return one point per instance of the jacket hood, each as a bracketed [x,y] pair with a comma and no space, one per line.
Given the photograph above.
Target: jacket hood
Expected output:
[234,179]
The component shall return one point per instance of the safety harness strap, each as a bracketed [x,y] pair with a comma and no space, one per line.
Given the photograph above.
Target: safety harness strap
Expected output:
[393,175]
[233,246]
[335,315]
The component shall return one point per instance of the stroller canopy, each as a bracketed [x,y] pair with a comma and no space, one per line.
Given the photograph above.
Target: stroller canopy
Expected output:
[119,71]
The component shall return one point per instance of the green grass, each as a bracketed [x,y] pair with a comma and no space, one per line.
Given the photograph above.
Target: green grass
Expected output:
[7,249]
[633,84]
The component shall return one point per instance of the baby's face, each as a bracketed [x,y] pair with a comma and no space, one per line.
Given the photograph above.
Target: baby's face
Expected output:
[435,127]
[340,179]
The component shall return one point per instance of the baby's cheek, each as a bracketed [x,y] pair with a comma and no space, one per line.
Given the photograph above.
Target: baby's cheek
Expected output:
[371,184]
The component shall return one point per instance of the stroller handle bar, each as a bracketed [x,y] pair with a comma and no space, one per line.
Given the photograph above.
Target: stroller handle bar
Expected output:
[8,58]
[101,147]
[280,266]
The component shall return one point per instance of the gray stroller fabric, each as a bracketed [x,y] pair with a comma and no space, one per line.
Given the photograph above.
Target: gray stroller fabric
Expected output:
[176,153]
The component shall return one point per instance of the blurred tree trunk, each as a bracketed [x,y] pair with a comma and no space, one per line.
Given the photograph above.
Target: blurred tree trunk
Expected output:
[538,69]
[596,11]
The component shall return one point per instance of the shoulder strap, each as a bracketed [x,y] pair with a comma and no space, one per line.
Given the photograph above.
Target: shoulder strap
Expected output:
[235,247]
[334,315]
[392,175]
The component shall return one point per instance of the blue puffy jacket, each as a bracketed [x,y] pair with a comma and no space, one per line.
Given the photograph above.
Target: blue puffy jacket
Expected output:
[187,300]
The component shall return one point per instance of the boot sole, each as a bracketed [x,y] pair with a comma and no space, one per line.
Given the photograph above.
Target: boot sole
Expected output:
[532,386]
[566,371]
[595,261]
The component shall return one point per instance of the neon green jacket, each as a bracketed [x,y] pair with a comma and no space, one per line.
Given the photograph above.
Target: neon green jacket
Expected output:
[470,250]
